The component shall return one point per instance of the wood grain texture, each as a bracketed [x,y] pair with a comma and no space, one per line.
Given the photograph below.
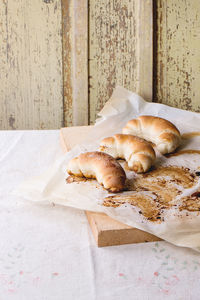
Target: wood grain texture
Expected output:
[110,232]
[145,48]
[120,49]
[178,59]
[31,64]
[67,62]
[75,61]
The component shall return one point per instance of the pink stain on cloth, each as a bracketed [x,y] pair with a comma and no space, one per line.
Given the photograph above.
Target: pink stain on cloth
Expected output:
[166,292]
[11,290]
[174,276]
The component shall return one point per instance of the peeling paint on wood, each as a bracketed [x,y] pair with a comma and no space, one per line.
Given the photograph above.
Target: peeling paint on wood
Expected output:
[178,59]
[120,49]
[67,62]
[120,44]
[31,64]
[75,61]
[145,48]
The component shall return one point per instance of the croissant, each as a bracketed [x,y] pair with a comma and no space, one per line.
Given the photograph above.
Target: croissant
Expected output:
[101,166]
[138,153]
[159,131]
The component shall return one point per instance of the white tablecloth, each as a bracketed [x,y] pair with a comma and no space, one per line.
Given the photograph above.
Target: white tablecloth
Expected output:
[47,252]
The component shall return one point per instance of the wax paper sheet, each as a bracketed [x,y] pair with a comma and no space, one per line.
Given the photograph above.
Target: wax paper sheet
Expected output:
[179,221]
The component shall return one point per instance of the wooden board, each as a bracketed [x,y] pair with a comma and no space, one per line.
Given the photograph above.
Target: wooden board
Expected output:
[120,49]
[75,61]
[177,59]
[105,43]
[31,64]
[106,231]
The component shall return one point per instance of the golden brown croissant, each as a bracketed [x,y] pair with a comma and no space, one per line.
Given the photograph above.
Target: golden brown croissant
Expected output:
[161,132]
[138,153]
[101,166]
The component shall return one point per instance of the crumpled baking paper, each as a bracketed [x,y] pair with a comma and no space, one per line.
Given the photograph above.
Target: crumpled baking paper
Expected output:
[121,107]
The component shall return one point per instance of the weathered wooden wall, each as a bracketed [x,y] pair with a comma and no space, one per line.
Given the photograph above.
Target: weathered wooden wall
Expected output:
[102,44]
[178,53]
[120,49]
[31,64]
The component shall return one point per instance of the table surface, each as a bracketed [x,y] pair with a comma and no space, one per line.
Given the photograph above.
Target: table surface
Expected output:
[48,252]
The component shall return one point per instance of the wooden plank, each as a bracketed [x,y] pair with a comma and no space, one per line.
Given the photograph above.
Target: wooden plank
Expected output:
[178,60]
[109,232]
[120,49]
[31,64]
[75,61]
[70,137]
[67,62]
[145,48]
[106,231]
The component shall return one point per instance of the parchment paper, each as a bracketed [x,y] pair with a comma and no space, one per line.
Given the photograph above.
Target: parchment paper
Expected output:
[182,229]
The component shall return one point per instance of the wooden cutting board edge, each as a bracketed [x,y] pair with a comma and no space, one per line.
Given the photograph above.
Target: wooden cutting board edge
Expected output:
[106,231]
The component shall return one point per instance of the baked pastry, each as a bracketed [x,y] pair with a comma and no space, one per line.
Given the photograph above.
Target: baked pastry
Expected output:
[159,131]
[101,166]
[138,153]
